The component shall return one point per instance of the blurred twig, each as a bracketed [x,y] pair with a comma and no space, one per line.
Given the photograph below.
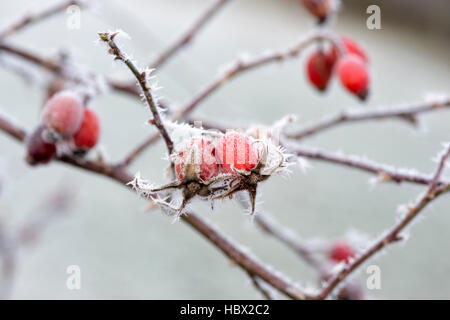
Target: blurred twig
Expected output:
[31,18]
[434,190]
[240,66]
[383,171]
[188,34]
[407,113]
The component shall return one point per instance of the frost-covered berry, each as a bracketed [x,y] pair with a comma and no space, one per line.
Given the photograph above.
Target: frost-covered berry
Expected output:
[39,150]
[322,9]
[352,47]
[63,113]
[197,160]
[236,152]
[341,251]
[354,75]
[87,135]
[319,68]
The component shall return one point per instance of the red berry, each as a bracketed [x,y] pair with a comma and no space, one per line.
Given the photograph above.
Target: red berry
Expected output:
[235,151]
[352,47]
[63,113]
[39,150]
[354,75]
[320,8]
[199,157]
[341,251]
[319,69]
[89,131]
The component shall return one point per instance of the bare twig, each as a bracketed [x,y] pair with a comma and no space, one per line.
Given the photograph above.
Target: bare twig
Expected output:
[433,191]
[189,34]
[241,66]
[232,251]
[408,113]
[30,18]
[146,89]
[139,149]
[383,171]
[55,67]
[34,58]
[13,129]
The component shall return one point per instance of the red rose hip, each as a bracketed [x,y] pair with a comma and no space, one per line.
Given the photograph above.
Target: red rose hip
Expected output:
[352,47]
[341,251]
[89,132]
[63,113]
[39,150]
[235,151]
[197,160]
[322,9]
[319,68]
[352,72]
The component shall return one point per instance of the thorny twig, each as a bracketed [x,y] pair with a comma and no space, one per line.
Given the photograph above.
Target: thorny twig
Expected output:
[141,78]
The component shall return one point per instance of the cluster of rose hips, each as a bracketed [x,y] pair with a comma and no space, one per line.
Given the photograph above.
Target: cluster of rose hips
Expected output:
[349,62]
[66,124]
[219,167]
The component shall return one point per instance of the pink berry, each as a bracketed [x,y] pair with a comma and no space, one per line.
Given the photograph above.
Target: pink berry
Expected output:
[198,155]
[354,76]
[87,135]
[63,113]
[352,47]
[39,150]
[236,152]
[341,251]
[319,69]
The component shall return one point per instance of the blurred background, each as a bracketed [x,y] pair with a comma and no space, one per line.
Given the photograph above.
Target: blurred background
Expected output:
[126,252]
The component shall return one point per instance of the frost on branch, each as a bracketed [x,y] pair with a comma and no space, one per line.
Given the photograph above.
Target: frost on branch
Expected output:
[211,165]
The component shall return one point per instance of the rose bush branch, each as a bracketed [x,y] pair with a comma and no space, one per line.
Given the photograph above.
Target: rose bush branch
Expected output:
[434,190]
[231,250]
[382,171]
[58,69]
[30,18]
[141,78]
[408,113]
[240,66]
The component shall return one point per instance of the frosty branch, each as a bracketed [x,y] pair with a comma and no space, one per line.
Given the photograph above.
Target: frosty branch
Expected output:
[434,190]
[141,78]
[407,113]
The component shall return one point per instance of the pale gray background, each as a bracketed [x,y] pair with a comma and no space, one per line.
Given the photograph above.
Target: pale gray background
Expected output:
[125,252]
